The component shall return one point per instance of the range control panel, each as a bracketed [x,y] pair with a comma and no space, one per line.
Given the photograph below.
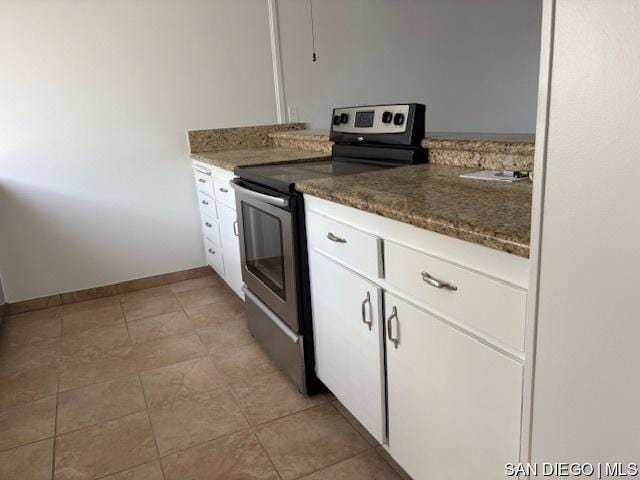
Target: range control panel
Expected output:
[371,119]
[400,124]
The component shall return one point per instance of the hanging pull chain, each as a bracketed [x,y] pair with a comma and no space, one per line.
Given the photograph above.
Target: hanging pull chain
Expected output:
[314,57]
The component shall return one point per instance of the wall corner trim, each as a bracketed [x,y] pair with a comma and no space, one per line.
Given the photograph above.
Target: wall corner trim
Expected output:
[276,60]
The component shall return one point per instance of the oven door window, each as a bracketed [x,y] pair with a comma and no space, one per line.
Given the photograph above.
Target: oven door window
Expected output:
[263,248]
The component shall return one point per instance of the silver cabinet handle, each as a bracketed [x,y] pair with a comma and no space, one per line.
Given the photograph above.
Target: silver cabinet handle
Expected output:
[207,224]
[212,251]
[364,311]
[204,202]
[334,238]
[394,314]
[235,228]
[434,282]
[223,190]
[202,180]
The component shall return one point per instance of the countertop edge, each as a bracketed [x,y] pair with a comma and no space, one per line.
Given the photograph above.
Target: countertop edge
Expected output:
[520,249]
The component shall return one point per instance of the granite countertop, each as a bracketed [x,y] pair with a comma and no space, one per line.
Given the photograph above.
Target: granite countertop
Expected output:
[434,197]
[429,196]
[229,159]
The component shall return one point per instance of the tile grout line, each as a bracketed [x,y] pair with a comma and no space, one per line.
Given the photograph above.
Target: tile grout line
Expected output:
[126,469]
[55,420]
[255,435]
[102,422]
[126,324]
[153,432]
[27,443]
[334,463]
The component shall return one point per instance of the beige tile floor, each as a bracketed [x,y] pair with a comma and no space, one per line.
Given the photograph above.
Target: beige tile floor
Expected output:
[164,383]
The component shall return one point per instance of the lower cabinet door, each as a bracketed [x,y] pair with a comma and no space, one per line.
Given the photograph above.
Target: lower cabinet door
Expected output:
[231,247]
[348,329]
[214,256]
[454,403]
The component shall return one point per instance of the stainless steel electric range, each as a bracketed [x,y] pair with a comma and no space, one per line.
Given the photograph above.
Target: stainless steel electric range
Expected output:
[272,226]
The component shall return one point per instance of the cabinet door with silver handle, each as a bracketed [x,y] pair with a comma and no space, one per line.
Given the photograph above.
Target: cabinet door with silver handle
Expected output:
[456,384]
[390,321]
[434,282]
[365,302]
[334,238]
[349,339]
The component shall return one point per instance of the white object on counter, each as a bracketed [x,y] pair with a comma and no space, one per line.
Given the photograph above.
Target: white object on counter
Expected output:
[495,175]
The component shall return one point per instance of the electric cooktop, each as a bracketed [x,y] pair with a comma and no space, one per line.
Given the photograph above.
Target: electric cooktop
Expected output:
[282,177]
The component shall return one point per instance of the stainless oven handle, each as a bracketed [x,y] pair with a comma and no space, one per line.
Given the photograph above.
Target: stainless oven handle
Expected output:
[276,201]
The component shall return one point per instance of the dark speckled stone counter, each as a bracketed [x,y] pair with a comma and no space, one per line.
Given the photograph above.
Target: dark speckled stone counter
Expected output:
[229,159]
[434,197]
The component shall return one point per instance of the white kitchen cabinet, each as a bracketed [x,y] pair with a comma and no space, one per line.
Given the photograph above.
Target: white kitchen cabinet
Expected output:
[454,403]
[216,201]
[348,331]
[451,393]
[230,247]
[214,256]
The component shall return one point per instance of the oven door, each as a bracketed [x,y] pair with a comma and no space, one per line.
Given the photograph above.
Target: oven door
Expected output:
[267,249]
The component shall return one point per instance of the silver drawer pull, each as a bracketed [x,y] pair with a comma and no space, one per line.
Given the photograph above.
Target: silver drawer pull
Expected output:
[202,180]
[396,340]
[223,190]
[235,228]
[364,311]
[434,282]
[334,238]
[204,202]
[207,224]
[212,251]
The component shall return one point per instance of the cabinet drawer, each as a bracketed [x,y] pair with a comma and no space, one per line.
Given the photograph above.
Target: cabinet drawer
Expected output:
[224,192]
[346,244]
[207,205]
[211,229]
[204,181]
[480,302]
[214,256]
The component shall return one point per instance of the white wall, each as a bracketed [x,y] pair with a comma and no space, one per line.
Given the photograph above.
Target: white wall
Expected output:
[473,63]
[95,180]
[586,392]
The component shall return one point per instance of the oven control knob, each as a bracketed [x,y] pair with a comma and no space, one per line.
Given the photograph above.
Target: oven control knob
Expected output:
[386,117]
[344,118]
[398,119]
[336,119]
